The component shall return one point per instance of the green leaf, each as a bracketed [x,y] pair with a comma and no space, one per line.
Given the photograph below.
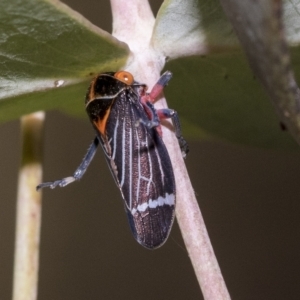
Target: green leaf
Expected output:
[192,27]
[219,97]
[215,90]
[42,42]
[259,26]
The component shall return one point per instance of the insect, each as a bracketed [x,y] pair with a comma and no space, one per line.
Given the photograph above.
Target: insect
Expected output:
[128,128]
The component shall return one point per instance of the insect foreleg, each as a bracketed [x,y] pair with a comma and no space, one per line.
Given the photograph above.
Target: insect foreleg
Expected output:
[160,114]
[79,171]
[159,86]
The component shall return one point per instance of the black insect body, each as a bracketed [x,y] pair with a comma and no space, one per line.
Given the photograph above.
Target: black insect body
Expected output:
[128,129]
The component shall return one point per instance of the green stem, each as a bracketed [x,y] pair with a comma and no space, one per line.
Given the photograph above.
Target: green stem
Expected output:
[28,210]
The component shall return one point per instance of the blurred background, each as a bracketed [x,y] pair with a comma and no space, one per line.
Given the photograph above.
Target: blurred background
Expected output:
[249,199]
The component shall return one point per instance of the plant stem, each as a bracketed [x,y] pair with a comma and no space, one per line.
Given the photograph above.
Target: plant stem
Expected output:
[133,23]
[196,237]
[28,210]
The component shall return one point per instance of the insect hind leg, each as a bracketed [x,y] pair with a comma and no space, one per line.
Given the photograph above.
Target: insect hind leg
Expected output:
[79,171]
[167,113]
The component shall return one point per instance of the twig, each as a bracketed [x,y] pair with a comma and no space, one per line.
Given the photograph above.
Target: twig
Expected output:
[28,210]
[133,23]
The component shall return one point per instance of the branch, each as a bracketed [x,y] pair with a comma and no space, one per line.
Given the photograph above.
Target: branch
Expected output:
[133,23]
[28,210]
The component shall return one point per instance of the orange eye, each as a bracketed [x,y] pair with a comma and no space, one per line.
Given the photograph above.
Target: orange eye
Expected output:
[125,77]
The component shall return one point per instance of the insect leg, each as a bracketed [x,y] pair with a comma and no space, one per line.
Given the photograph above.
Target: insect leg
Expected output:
[79,171]
[153,120]
[159,86]
[157,89]
[149,98]
[167,113]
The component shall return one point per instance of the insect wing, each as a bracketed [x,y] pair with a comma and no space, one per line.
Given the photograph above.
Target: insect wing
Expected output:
[142,169]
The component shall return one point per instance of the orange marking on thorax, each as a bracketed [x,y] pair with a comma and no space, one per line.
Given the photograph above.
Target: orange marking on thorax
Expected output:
[92,89]
[101,123]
